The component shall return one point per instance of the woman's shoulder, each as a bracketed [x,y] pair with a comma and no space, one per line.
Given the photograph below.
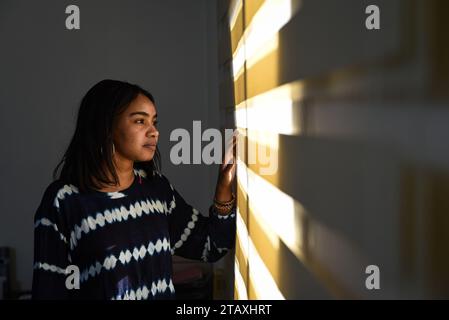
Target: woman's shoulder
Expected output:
[156,177]
[56,191]
[58,188]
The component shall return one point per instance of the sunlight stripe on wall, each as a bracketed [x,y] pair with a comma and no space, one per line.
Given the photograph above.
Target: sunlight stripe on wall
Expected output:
[261,278]
[242,292]
[236,8]
[259,32]
[273,111]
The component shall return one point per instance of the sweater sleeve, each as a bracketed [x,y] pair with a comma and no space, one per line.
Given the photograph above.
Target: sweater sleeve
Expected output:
[51,253]
[198,237]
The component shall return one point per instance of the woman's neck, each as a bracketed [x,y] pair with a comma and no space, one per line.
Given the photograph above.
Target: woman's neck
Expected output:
[125,174]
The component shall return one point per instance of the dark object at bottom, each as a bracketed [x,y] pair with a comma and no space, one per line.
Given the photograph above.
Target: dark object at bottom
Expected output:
[5,273]
[201,289]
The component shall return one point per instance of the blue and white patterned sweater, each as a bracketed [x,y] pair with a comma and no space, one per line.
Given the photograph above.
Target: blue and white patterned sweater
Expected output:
[121,242]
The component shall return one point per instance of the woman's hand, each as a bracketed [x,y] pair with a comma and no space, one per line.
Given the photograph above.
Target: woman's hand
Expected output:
[223,191]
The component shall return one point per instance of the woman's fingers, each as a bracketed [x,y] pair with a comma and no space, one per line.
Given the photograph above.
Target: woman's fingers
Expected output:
[231,145]
[230,154]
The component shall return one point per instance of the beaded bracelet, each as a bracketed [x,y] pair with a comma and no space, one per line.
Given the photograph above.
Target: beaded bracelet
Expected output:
[226,202]
[224,207]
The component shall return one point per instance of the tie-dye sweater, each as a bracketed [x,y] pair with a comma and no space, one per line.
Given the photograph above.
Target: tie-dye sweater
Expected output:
[121,242]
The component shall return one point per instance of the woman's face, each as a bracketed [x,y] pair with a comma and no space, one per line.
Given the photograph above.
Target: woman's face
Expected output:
[135,133]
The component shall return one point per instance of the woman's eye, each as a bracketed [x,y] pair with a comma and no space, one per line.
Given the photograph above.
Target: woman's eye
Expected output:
[142,121]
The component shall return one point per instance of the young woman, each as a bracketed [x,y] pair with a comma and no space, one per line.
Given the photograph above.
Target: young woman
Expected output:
[113,215]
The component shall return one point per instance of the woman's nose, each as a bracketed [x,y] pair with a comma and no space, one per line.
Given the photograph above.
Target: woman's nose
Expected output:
[153,132]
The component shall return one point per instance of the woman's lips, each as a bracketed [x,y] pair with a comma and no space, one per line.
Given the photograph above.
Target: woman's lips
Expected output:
[150,146]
